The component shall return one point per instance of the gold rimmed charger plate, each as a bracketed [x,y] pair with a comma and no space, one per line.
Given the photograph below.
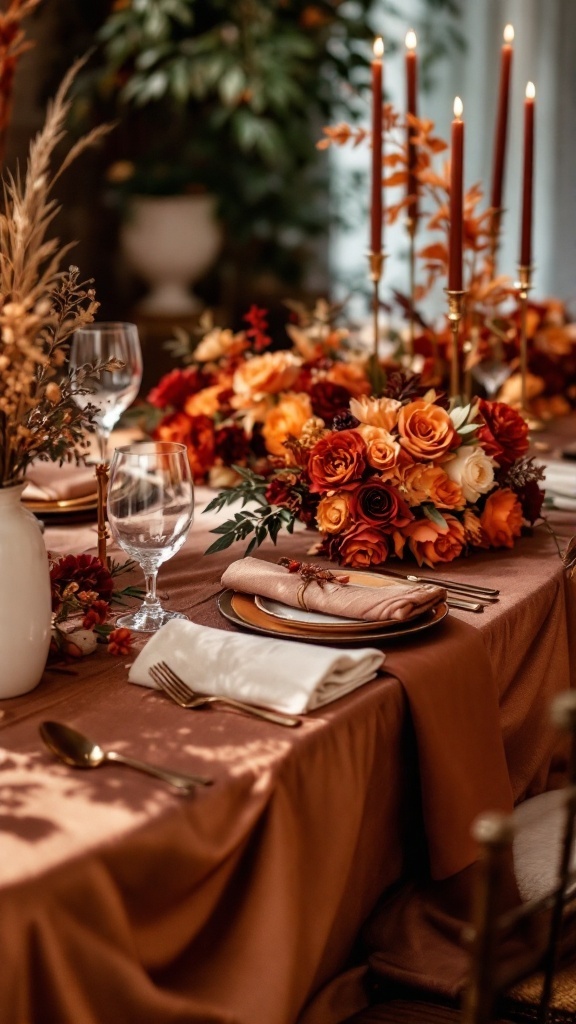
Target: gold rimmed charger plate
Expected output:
[84,503]
[241,610]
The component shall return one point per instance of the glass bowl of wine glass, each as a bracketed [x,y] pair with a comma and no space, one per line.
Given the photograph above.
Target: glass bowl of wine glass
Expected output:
[150,511]
[114,390]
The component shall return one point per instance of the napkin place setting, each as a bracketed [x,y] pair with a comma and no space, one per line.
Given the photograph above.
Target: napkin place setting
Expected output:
[275,670]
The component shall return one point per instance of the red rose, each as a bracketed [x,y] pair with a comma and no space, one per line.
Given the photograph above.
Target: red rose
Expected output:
[329,399]
[175,387]
[337,461]
[379,504]
[361,547]
[197,433]
[504,433]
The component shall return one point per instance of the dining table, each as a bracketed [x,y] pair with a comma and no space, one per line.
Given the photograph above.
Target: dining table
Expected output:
[123,900]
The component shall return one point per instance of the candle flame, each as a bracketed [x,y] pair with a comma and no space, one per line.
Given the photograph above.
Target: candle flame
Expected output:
[530,91]
[411,40]
[379,47]
[458,108]
[509,34]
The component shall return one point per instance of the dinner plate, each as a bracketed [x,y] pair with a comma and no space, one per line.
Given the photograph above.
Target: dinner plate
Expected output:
[241,610]
[59,506]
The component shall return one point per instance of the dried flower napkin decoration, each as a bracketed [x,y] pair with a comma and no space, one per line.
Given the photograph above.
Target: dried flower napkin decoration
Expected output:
[311,573]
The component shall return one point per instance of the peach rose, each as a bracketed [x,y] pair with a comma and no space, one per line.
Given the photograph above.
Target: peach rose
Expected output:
[426,430]
[363,546]
[473,529]
[431,543]
[376,412]
[501,518]
[472,470]
[288,417]
[382,449]
[333,514]
[205,402]
[422,482]
[350,376]
[266,374]
[218,343]
[336,461]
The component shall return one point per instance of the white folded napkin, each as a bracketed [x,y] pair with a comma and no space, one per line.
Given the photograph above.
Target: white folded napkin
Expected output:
[560,483]
[279,674]
[47,481]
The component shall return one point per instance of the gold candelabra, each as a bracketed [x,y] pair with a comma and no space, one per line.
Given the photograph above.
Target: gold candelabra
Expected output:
[376,263]
[102,483]
[523,286]
[455,313]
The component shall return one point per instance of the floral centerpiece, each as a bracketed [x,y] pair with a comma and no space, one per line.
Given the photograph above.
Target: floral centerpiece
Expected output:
[399,475]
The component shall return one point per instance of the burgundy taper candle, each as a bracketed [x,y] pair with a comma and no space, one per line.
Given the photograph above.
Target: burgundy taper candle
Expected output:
[502,119]
[528,182]
[412,108]
[377,205]
[456,199]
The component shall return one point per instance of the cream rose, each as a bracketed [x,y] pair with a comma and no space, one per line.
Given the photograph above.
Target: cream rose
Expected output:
[376,412]
[266,374]
[473,470]
[216,344]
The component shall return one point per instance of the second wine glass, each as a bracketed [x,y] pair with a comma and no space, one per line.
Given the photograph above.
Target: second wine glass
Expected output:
[114,390]
[150,509]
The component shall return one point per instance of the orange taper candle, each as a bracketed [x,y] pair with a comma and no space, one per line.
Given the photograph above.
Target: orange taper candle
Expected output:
[502,118]
[456,199]
[528,183]
[377,205]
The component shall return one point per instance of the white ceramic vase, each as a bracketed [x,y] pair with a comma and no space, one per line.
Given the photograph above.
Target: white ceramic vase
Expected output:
[170,241]
[25,603]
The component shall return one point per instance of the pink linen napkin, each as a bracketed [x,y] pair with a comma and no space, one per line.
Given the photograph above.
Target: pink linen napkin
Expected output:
[47,481]
[396,602]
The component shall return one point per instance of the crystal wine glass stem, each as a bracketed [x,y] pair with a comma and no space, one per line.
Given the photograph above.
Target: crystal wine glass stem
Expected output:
[151,601]
[103,436]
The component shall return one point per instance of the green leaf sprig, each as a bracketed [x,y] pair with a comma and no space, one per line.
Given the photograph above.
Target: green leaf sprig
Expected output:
[264,521]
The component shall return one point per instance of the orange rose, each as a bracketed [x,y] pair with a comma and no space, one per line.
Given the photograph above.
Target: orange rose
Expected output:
[197,433]
[501,519]
[351,376]
[205,402]
[288,417]
[473,529]
[376,412]
[336,461]
[266,374]
[426,430]
[361,547]
[431,483]
[382,448]
[431,543]
[333,514]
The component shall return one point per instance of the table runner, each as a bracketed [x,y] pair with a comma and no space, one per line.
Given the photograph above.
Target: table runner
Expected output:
[239,914]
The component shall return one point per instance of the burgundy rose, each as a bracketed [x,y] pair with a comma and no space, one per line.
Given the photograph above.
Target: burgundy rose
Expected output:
[504,433]
[337,461]
[84,570]
[231,445]
[329,399]
[175,387]
[531,498]
[379,504]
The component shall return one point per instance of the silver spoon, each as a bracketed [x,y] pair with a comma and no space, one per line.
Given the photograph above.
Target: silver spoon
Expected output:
[77,750]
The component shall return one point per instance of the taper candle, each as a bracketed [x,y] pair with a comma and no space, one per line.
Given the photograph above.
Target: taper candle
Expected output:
[456,198]
[528,183]
[412,108]
[502,119]
[377,206]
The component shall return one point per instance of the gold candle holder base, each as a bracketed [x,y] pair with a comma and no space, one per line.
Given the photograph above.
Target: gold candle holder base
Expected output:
[103,535]
[523,286]
[455,312]
[376,264]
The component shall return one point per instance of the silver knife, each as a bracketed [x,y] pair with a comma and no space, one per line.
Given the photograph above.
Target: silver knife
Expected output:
[486,593]
[467,606]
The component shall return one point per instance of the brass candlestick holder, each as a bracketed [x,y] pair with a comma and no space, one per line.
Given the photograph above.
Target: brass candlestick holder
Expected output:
[103,535]
[411,226]
[523,286]
[376,263]
[455,313]
[495,226]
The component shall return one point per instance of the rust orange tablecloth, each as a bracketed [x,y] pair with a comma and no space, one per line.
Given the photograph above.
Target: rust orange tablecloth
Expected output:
[122,902]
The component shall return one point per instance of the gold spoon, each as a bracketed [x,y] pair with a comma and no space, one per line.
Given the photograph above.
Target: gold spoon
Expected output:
[77,750]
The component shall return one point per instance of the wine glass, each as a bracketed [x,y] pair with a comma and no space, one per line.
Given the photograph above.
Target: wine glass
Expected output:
[150,510]
[114,390]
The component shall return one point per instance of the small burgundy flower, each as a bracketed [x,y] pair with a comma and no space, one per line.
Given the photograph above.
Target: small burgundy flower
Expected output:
[329,399]
[231,445]
[531,498]
[84,570]
[257,318]
[344,421]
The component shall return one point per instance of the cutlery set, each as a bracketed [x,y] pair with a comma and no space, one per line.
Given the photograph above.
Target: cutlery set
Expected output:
[466,596]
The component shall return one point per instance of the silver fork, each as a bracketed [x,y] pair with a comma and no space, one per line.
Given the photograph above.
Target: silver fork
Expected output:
[182,694]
